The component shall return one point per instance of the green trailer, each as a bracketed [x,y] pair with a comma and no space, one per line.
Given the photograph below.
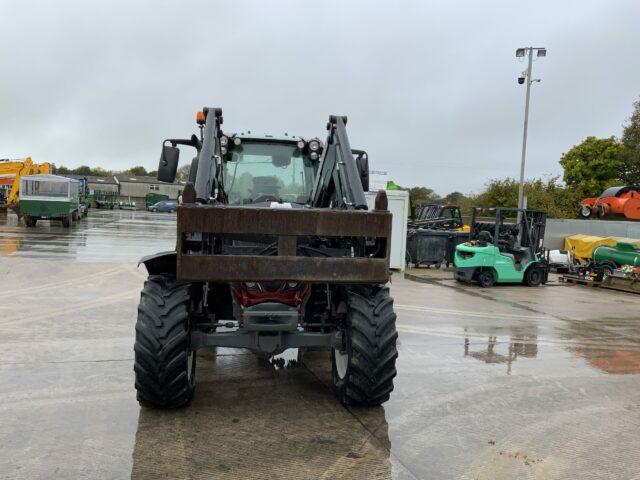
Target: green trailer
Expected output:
[49,197]
[105,199]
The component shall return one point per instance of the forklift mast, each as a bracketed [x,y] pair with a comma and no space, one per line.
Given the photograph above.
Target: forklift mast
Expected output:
[529,231]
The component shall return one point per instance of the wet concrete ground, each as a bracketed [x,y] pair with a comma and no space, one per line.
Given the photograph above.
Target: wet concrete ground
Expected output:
[506,383]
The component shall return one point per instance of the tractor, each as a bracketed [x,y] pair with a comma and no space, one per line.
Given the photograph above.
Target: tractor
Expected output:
[507,250]
[275,249]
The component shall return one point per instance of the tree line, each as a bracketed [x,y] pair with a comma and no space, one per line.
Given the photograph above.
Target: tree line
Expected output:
[589,168]
[101,172]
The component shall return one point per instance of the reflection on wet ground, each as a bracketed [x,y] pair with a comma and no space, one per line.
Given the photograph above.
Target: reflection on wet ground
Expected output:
[507,383]
[517,347]
[105,235]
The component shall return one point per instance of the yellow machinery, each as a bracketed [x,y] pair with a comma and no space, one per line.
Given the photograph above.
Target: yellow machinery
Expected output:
[10,173]
[582,246]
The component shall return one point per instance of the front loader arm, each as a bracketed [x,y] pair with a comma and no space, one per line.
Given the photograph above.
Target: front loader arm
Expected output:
[338,182]
[209,175]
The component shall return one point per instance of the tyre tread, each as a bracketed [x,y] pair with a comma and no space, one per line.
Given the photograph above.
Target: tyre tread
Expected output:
[162,341]
[371,371]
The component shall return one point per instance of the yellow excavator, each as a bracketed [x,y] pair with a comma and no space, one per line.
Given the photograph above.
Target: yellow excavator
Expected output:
[10,173]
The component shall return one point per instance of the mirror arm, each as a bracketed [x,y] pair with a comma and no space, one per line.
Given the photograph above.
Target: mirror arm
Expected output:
[191,142]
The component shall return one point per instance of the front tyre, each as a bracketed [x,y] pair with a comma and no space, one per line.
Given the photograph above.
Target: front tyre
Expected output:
[30,221]
[533,277]
[164,363]
[363,371]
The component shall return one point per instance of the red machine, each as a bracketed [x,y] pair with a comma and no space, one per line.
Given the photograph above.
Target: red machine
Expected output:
[614,201]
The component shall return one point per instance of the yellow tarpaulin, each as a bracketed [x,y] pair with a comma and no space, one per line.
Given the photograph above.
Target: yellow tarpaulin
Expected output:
[581,246]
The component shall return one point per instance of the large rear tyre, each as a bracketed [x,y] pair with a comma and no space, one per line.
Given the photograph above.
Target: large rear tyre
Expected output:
[363,371]
[486,279]
[164,363]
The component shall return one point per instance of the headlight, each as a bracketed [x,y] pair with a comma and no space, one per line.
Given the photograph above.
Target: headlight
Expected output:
[251,285]
[300,144]
[224,140]
[223,150]
[237,141]
[314,145]
[313,155]
[292,285]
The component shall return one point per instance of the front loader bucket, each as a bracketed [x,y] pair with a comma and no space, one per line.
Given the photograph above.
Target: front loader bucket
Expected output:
[227,244]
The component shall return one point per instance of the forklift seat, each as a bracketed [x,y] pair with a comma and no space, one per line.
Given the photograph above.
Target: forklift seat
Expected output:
[512,257]
[521,256]
[485,238]
[507,243]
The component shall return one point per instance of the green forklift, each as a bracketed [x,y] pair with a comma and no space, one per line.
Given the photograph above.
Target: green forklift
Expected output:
[508,248]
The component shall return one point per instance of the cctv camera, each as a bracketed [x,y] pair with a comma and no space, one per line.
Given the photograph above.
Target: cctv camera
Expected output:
[520,80]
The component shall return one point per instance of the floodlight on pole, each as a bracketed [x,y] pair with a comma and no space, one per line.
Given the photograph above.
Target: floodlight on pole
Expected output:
[521,52]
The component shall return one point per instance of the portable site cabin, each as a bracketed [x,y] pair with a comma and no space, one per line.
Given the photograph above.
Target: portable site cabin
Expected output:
[49,197]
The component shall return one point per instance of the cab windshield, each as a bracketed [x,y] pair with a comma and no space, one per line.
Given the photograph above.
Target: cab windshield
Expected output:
[257,172]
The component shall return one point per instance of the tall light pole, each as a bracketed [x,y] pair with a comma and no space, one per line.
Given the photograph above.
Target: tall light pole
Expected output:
[526,76]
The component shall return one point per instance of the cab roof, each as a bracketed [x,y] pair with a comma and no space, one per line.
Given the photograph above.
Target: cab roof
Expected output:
[249,135]
[49,178]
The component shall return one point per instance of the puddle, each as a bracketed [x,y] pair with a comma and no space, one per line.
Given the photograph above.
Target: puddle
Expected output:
[610,345]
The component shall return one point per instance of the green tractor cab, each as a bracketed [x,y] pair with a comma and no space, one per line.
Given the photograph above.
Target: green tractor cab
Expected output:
[509,249]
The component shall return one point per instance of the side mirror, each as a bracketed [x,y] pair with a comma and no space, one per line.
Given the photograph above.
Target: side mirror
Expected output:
[168,163]
[362,162]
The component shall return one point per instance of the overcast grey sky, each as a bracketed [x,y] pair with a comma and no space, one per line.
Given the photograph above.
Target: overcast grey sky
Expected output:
[429,87]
